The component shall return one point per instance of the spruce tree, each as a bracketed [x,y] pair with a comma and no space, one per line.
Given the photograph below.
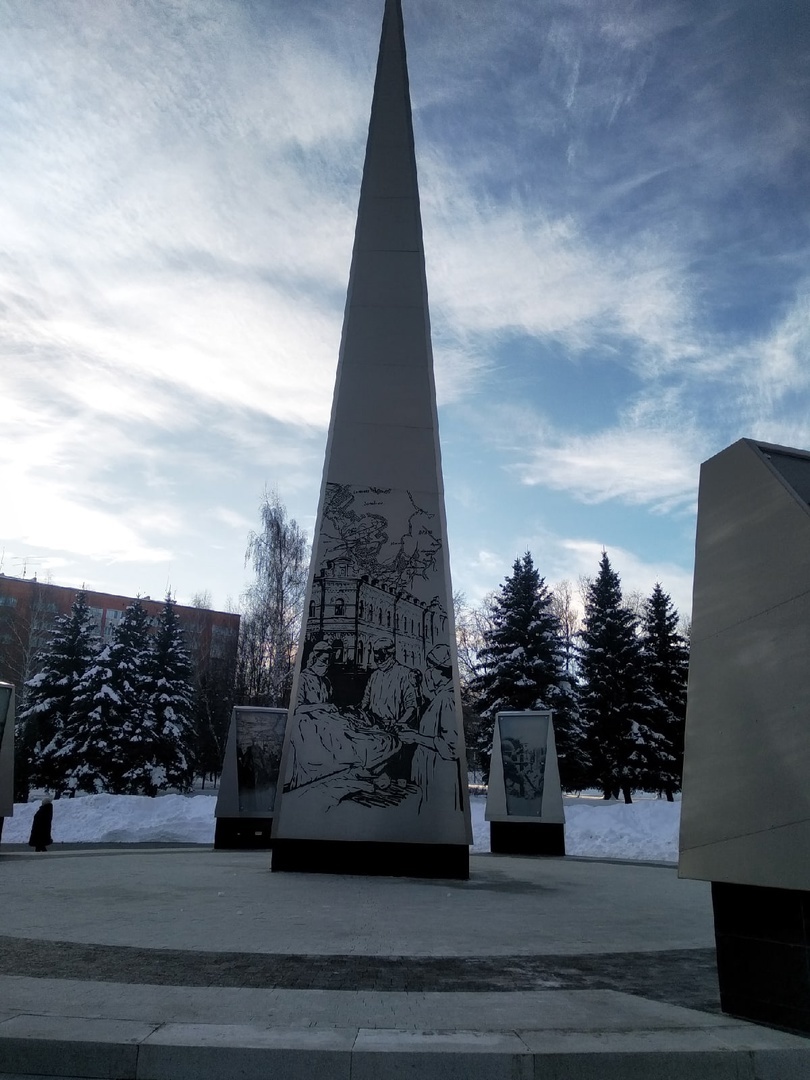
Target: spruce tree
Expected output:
[617,705]
[521,663]
[666,664]
[171,703]
[130,664]
[50,694]
[89,745]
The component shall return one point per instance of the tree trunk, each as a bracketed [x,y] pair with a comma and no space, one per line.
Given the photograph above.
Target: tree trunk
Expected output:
[628,797]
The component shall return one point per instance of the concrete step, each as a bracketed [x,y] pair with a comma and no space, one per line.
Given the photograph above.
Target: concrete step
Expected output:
[112,1049]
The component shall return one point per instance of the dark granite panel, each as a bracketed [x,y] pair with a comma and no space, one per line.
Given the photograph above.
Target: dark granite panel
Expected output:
[766,914]
[526,838]
[243,833]
[763,953]
[763,970]
[768,1012]
[370,858]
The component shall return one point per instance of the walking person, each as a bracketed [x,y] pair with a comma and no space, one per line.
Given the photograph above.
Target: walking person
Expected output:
[41,827]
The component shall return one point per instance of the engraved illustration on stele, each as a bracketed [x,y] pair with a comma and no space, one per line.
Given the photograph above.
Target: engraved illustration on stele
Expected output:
[523,753]
[374,743]
[259,741]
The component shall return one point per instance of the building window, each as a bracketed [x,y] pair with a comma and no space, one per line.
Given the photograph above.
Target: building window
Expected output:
[340,605]
[312,609]
[360,608]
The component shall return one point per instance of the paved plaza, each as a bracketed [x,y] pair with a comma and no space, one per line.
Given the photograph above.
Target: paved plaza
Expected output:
[168,962]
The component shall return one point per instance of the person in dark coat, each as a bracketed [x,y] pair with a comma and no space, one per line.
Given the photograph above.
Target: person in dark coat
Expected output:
[41,827]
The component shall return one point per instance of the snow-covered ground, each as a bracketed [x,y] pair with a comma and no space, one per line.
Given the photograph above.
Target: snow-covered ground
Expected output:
[645,830]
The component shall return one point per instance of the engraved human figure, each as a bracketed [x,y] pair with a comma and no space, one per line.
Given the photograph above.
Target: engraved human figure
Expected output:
[435,768]
[326,740]
[313,687]
[390,694]
[391,701]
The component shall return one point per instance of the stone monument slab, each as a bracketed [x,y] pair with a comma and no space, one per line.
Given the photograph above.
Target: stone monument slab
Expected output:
[745,817]
[374,774]
[249,781]
[524,796]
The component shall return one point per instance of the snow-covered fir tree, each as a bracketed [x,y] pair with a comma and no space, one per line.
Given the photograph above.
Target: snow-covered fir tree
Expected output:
[130,667]
[50,694]
[521,666]
[171,703]
[615,699]
[665,656]
[88,747]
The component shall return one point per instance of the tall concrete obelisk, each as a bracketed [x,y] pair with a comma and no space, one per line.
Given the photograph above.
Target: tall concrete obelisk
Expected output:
[374,767]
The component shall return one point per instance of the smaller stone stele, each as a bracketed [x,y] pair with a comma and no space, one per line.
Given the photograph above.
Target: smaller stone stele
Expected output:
[249,782]
[6,752]
[524,796]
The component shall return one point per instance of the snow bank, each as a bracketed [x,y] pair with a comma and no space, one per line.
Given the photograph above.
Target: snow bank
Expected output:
[645,830]
[121,819]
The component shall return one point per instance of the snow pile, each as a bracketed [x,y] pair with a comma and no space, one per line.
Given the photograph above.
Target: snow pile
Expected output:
[121,819]
[645,830]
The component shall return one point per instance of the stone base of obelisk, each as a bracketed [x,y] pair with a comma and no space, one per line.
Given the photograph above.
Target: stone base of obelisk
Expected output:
[763,953]
[241,833]
[372,858]
[526,838]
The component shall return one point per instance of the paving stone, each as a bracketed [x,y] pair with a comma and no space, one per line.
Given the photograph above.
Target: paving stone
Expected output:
[781,1064]
[440,1064]
[685,977]
[568,986]
[225,1062]
[643,1066]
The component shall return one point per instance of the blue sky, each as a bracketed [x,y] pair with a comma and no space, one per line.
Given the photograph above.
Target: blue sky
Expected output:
[615,209]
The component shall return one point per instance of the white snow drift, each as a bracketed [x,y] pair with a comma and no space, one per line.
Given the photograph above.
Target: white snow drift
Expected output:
[645,830]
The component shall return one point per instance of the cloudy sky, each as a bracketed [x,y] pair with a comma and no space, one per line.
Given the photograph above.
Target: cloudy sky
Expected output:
[615,208]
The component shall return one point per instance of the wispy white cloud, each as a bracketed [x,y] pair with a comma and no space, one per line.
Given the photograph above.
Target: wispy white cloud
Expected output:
[559,557]
[644,460]
[179,184]
[649,468]
[637,574]
[513,268]
[232,519]
[776,366]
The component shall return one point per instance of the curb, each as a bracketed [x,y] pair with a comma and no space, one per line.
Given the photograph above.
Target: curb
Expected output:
[99,1049]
